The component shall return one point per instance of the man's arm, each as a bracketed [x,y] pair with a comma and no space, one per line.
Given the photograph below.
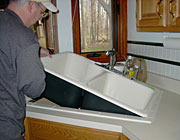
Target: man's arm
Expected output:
[30,72]
[44,52]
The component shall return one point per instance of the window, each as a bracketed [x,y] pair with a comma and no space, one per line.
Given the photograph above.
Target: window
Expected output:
[95,25]
[99,25]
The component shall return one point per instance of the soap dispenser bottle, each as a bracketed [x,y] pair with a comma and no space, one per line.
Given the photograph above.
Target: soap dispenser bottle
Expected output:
[128,65]
[136,69]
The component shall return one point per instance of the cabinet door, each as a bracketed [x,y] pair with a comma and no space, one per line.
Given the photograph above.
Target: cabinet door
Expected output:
[47,130]
[174,13]
[150,13]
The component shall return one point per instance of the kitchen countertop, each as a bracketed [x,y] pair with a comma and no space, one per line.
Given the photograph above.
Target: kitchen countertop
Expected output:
[166,125]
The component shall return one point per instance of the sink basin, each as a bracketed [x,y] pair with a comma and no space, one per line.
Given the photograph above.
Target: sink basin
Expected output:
[71,66]
[122,92]
[122,89]
[135,97]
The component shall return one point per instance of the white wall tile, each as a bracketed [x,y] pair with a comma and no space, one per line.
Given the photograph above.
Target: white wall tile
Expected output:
[178,55]
[173,55]
[163,69]
[160,52]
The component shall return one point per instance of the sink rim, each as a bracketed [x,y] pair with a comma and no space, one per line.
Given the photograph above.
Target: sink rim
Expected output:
[147,112]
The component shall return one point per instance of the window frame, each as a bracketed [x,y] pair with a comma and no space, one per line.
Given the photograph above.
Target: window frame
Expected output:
[120,27]
[54,32]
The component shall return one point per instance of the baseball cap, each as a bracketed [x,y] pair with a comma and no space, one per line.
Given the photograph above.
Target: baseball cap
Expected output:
[48,5]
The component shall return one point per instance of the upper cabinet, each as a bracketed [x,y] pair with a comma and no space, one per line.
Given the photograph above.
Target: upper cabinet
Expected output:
[158,15]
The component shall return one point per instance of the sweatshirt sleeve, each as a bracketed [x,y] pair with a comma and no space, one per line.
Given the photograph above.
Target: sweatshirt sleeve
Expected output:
[30,72]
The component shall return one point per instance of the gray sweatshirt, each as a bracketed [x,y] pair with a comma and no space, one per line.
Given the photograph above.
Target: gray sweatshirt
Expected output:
[21,71]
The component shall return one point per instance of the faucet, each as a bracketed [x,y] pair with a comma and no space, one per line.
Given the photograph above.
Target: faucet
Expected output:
[112,58]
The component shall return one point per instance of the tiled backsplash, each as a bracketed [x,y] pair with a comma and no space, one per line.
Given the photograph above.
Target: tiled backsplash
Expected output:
[163,69]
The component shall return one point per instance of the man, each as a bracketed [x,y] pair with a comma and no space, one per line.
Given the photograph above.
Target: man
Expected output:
[21,72]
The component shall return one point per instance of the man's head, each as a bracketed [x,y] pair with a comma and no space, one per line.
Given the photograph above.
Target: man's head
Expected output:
[47,4]
[30,11]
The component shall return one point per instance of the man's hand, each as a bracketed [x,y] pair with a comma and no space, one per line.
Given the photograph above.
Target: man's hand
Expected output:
[44,52]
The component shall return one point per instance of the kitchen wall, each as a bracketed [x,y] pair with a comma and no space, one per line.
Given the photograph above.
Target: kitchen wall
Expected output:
[160,57]
[163,68]
[64,26]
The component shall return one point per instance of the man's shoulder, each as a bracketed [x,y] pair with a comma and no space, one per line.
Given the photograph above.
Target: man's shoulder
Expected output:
[15,31]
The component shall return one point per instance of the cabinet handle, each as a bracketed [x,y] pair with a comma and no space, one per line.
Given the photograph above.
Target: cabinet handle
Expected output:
[171,8]
[158,9]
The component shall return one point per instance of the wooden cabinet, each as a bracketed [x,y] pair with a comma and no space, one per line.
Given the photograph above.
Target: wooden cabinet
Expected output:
[174,13]
[46,130]
[158,15]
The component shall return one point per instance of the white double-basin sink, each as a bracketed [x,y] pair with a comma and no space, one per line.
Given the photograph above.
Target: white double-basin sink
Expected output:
[131,95]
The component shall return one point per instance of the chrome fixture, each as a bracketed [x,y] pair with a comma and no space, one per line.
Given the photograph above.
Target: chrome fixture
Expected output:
[112,58]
